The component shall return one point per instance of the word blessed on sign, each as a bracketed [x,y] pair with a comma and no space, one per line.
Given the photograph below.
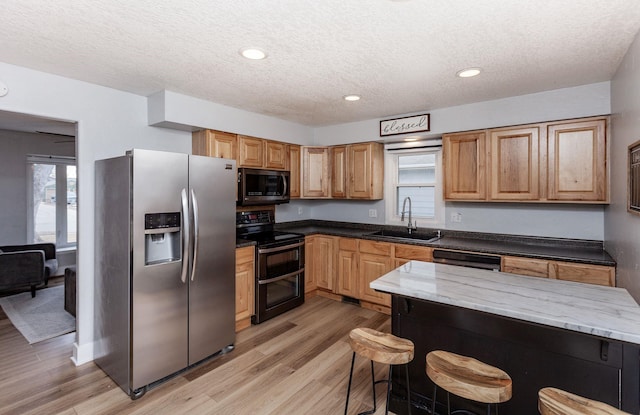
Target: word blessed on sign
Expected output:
[414,124]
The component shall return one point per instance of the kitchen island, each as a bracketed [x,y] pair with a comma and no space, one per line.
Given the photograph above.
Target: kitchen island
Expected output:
[578,337]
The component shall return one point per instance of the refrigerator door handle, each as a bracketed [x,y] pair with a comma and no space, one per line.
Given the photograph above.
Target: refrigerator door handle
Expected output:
[196,233]
[185,235]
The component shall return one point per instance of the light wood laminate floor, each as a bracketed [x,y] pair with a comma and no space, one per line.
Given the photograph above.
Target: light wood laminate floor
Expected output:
[296,363]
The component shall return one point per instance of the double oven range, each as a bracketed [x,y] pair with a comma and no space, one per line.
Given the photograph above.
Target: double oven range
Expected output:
[279,264]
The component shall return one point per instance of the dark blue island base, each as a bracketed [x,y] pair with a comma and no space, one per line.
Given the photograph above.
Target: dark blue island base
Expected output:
[534,355]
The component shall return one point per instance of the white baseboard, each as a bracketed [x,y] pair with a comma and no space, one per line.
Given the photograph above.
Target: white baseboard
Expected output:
[82,353]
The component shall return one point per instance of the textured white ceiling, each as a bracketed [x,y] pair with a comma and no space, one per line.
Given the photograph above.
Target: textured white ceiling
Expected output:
[400,56]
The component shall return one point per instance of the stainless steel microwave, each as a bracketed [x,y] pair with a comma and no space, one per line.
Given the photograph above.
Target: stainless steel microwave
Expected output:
[262,187]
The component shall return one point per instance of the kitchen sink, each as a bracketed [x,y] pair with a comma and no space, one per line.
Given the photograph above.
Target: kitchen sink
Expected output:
[404,234]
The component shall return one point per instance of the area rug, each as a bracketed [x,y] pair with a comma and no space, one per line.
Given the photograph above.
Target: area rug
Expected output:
[39,318]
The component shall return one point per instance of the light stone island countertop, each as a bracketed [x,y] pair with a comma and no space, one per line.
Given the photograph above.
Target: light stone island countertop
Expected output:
[600,311]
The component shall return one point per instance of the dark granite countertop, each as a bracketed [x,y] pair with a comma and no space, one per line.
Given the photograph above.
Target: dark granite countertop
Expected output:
[559,249]
[241,243]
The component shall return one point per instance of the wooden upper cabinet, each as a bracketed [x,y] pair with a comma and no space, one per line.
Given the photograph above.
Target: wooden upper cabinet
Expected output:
[365,164]
[546,162]
[514,172]
[339,172]
[276,156]
[464,164]
[294,170]
[214,144]
[577,155]
[315,165]
[251,151]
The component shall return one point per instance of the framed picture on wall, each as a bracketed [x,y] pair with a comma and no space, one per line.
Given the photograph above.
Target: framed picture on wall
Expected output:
[633,198]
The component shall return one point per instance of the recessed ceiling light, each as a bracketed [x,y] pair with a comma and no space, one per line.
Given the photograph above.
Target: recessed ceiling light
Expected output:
[469,72]
[351,97]
[253,53]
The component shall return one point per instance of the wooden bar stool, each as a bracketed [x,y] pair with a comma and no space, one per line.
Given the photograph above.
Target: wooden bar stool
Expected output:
[552,401]
[468,378]
[382,348]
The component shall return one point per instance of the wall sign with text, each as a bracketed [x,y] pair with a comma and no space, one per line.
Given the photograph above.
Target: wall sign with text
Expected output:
[405,125]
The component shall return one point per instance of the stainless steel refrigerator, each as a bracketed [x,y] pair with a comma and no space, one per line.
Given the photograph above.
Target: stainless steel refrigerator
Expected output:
[165,269]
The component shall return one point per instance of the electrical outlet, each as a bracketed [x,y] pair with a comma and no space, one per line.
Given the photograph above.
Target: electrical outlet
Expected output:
[299,210]
[456,217]
[373,213]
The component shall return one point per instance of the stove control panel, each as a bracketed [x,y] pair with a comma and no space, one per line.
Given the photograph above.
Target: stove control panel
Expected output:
[258,217]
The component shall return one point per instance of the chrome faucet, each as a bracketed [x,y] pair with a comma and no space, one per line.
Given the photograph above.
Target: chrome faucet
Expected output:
[410,227]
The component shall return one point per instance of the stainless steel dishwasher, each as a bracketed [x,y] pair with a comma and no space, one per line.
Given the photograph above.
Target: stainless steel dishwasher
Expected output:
[467,259]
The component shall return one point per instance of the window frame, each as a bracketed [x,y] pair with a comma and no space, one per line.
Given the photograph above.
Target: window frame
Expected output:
[61,222]
[391,186]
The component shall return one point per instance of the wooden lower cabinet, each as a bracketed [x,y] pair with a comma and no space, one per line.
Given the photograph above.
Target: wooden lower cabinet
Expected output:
[590,274]
[406,253]
[375,259]
[338,266]
[320,257]
[525,266]
[245,286]
[347,272]
[566,271]
[372,267]
[310,283]
[325,268]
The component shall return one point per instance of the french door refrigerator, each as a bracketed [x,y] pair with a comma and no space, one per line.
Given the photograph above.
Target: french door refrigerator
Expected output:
[165,268]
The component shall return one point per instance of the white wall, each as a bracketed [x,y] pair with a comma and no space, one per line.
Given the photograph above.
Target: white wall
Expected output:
[562,221]
[580,101]
[173,110]
[622,229]
[13,178]
[553,220]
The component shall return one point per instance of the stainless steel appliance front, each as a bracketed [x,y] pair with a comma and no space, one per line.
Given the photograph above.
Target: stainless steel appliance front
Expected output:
[262,187]
[280,279]
[165,284]
[279,264]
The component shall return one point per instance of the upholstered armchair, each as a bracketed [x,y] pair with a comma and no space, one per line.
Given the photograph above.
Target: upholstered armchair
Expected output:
[50,260]
[30,265]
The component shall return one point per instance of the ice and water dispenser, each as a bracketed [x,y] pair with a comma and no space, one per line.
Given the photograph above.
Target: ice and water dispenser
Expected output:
[162,237]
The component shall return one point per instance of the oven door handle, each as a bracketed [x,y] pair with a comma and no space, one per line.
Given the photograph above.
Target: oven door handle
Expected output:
[282,277]
[279,248]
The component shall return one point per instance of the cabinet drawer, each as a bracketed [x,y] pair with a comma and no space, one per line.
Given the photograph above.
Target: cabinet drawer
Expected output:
[590,274]
[244,254]
[378,248]
[348,244]
[525,266]
[413,252]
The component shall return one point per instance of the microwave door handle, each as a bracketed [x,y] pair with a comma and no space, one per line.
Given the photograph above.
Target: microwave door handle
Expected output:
[185,235]
[196,233]
[284,185]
